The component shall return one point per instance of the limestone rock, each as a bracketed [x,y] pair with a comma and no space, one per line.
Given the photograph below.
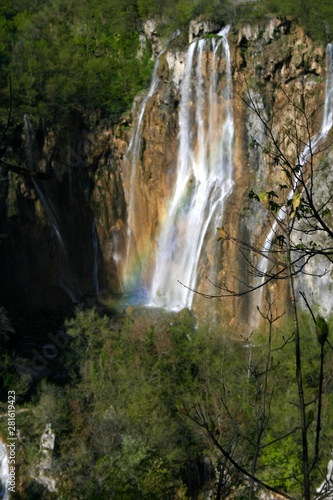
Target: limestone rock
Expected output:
[44,466]
[199,28]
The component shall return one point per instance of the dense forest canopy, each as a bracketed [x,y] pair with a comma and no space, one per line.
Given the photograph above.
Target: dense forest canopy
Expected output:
[121,424]
[62,55]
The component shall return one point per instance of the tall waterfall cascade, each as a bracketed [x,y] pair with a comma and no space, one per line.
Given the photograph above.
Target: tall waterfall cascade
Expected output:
[204,173]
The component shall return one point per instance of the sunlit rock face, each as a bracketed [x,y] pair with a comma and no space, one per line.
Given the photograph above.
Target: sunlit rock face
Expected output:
[134,207]
[271,63]
[175,191]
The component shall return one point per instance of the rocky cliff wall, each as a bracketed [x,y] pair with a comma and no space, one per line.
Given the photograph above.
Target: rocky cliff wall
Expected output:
[57,251]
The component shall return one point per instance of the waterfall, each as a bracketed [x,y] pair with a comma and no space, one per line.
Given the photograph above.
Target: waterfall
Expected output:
[326,488]
[95,258]
[328,105]
[66,279]
[309,149]
[204,171]
[318,288]
[4,472]
[50,212]
[47,204]
[132,155]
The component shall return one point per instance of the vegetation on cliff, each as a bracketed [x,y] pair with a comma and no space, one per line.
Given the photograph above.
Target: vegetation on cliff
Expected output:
[63,56]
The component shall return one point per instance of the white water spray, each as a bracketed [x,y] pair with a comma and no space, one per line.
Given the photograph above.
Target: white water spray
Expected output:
[4,472]
[204,172]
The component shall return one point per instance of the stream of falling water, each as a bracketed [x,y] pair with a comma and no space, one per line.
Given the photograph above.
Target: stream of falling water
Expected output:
[4,472]
[66,279]
[95,258]
[131,280]
[309,150]
[132,154]
[204,172]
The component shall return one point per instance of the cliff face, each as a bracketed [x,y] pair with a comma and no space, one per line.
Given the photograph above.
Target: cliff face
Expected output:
[57,250]
[97,224]
[273,63]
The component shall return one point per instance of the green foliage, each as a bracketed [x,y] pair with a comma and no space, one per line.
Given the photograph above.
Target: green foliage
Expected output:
[316,17]
[64,56]
[281,463]
[122,424]
[9,378]
[123,407]
[51,408]
[119,429]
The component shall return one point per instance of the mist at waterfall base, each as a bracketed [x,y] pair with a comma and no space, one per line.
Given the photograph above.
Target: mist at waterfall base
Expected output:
[203,180]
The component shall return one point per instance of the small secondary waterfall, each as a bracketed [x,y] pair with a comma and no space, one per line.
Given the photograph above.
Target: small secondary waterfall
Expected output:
[95,258]
[310,148]
[131,279]
[66,280]
[133,155]
[204,171]
[4,472]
